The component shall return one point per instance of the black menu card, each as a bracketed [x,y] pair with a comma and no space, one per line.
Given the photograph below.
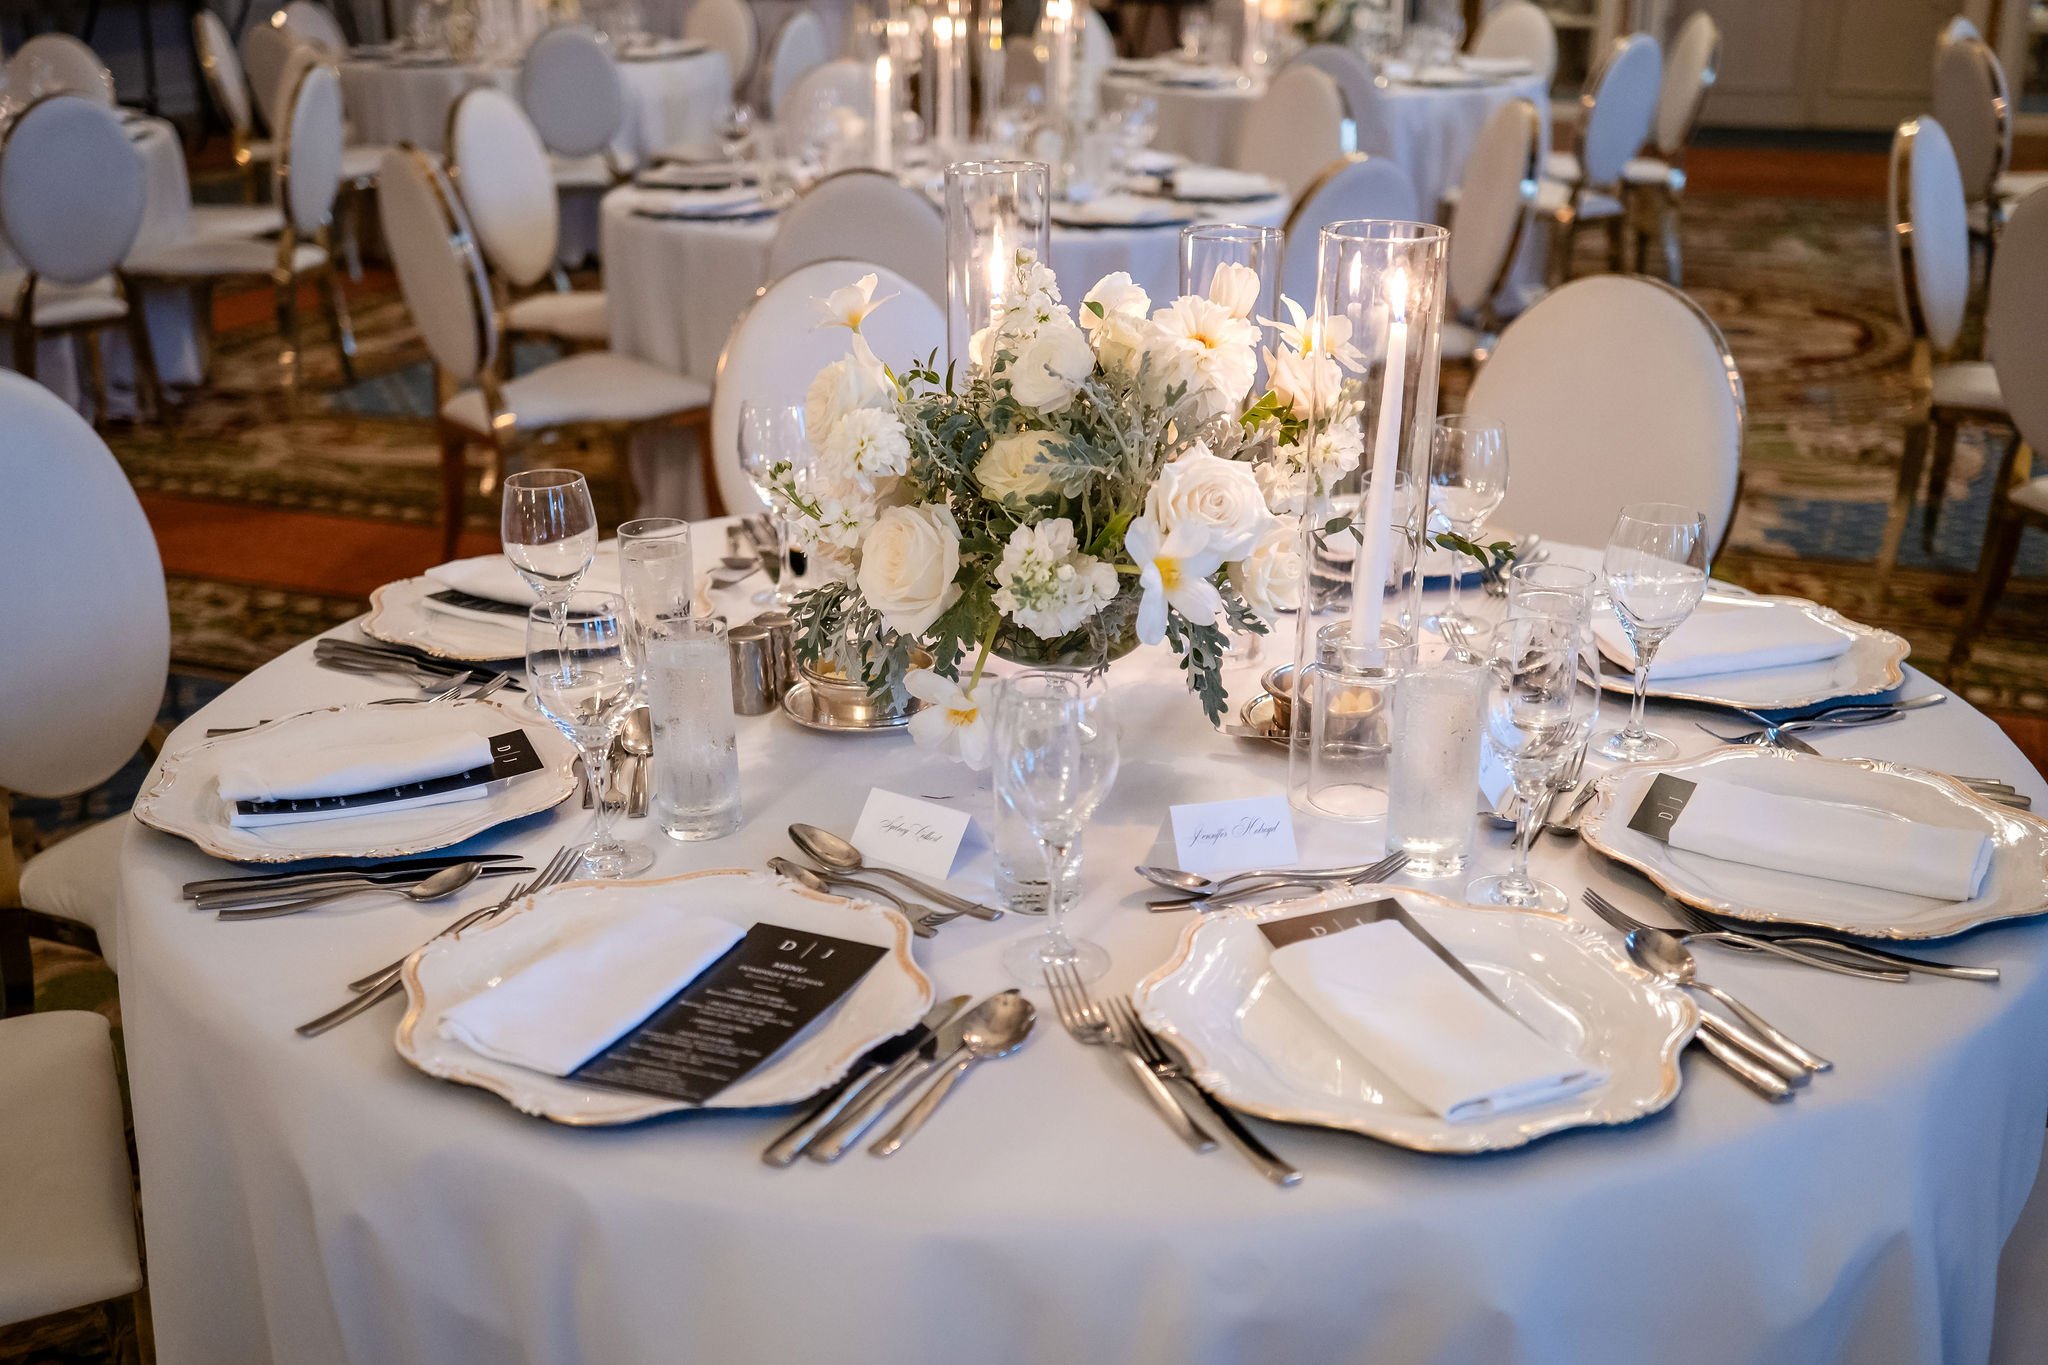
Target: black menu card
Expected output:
[1661,806]
[512,754]
[735,1015]
[1295,928]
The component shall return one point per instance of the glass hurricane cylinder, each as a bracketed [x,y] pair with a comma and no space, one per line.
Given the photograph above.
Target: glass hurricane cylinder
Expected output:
[989,62]
[994,210]
[1206,248]
[946,98]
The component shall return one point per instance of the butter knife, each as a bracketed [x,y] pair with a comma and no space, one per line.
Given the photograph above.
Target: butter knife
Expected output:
[865,1073]
[892,1085]
[193,890]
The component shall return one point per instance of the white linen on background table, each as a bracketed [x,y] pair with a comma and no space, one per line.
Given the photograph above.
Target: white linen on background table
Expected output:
[321,1202]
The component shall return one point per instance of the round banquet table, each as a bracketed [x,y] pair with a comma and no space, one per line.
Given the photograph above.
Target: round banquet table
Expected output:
[1430,129]
[668,101]
[676,287]
[312,1201]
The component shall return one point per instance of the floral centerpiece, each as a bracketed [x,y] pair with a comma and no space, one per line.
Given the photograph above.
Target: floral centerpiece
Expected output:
[1097,479]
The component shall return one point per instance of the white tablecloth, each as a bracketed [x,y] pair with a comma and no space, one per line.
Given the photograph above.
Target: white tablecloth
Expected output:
[677,288]
[319,1201]
[1431,129]
[673,100]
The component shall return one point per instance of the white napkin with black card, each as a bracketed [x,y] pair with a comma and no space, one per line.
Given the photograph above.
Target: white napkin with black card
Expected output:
[586,984]
[1448,1047]
[371,758]
[1730,637]
[494,579]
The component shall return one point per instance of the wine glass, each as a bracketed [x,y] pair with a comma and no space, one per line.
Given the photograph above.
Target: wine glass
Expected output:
[1565,591]
[1468,476]
[1055,759]
[1537,717]
[735,131]
[584,680]
[1656,567]
[775,458]
[550,532]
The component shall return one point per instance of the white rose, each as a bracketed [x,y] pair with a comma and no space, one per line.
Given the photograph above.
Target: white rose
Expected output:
[907,565]
[1051,367]
[1269,578]
[1217,503]
[1011,467]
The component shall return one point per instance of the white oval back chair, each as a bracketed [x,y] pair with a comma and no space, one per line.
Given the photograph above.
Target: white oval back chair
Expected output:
[729,26]
[1585,185]
[228,84]
[266,47]
[801,46]
[508,188]
[314,24]
[593,395]
[1614,389]
[864,215]
[1972,105]
[1519,30]
[1355,186]
[2016,323]
[59,64]
[841,83]
[1365,116]
[777,347]
[1294,130]
[71,204]
[1655,181]
[1501,176]
[1958,28]
[1931,277]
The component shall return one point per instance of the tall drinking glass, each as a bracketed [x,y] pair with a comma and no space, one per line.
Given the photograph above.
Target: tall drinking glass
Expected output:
[1055,759]
[696,756]
[1537,716]
[584,680]
[656,577]
[774,456]
[1564,592]
[1434,766]
[1468,476]
[1656,567]
[550,532]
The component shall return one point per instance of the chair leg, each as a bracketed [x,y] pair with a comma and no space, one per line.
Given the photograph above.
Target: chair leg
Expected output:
[350,212]
[124,1341]
[1674,263]
[96,375]
[2001,547]
[454,486]
[26,340]
[1617,256]
[622,455]
[344,329]
[1911,464]
[149,387]
[287,287]
[1564,237]
[17,967]
[1943,457]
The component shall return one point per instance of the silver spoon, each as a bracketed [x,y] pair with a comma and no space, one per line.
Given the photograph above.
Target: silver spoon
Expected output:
[636,737]
[446,882]
[918,916]
[997,1027]
[841,856]
[1195,884]
[1662,955]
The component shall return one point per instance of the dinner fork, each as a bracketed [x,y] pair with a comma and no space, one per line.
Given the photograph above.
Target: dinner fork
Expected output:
[388,980]
[1753,938]
[1311,878]
[1627,923]
[1087,1024]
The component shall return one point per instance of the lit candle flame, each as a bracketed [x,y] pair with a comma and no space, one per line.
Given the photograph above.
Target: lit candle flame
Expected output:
[1397,294]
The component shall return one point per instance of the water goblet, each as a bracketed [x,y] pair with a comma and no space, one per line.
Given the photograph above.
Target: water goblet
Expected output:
[776,461]
[549,529]
[1468,477]
[1656,568]
[585,681]
[1536,716]
[1055,759]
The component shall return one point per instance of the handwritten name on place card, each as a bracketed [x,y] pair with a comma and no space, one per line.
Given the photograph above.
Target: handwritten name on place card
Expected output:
[919,837]
[1222,836]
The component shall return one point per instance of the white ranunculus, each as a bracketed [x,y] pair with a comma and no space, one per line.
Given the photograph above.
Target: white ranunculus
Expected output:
[907,565]
[1269,578]
[1198,342]
[1173,572]
[1051,367]
[1045,584]
[1012,467]
[846,385]
[951,721]
[865,446]
[1215,504]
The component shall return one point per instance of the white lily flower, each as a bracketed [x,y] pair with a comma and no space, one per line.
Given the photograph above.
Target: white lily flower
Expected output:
[952,722]
[1174,572]
[1317,335]
[851,305]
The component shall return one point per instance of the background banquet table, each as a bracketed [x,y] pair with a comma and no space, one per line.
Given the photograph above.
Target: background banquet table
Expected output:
[677,286]
[1430,129]
[367,1213]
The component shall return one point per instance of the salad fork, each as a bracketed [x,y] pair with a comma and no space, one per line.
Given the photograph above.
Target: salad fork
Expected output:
[1086,1023]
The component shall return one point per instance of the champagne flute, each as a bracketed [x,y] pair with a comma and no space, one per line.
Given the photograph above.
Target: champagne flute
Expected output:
[1656,567]
[773,454]
[1468,477]
[584,680]
[1055,759]
[1537,716]
[550,532]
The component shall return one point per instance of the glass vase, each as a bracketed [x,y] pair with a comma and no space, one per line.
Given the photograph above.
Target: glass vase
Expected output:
[994,211]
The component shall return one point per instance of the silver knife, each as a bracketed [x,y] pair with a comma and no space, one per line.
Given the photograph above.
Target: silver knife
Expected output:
[799,1135]
[1241,1137]
[264,895]
[192,890]
[891,1086]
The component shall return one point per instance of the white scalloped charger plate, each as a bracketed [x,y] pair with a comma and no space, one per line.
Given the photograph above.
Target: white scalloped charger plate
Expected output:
[399,615]
[2015,886]
[1257,1047]
[891,998]
[1874,663]
[185,798]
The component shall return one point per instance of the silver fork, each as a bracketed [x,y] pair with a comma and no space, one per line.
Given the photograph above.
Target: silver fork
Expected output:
[1763,939]
[1167,1067]
[387,980]
[1385,867]
[1687,933]
[1086,1023]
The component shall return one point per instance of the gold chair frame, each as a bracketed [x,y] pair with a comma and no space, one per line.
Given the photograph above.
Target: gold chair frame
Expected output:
[1652,210]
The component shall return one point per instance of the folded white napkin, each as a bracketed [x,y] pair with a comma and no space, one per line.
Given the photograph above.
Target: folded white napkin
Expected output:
[1841,843]
[719,203]
[1730,637]
[588,985]
[1496,66]
[1117,210]
[1220,182]
[1177,74]
[493,577]
[359,751]
[676,176]
[1442,1042]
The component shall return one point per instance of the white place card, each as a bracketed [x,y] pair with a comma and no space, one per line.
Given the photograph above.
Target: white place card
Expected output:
[919,837]
[1223,836]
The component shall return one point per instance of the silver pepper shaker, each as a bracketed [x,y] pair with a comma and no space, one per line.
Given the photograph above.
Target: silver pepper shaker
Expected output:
[781,628]
[753,670]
